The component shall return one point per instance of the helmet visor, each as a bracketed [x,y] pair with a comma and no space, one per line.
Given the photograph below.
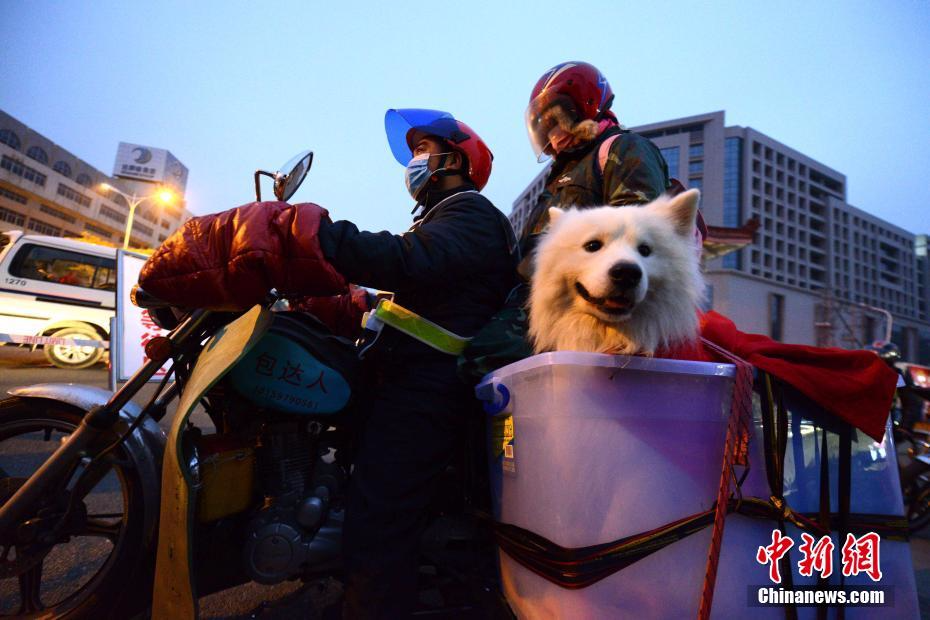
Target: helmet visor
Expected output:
[402,126]
[548,117]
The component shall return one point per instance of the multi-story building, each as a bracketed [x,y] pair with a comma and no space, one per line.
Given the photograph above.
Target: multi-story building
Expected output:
[48,190]
[820,270]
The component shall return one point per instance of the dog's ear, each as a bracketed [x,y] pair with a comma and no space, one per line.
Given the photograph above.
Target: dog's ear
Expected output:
[682,210]
[554,214]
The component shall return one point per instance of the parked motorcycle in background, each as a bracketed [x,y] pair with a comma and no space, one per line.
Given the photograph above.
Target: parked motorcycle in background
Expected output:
[911,433]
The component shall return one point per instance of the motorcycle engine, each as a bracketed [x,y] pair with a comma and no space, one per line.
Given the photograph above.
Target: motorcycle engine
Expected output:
[295,528]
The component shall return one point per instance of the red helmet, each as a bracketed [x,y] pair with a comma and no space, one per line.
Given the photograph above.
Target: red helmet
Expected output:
[583,84]
[577,82]
[405,127]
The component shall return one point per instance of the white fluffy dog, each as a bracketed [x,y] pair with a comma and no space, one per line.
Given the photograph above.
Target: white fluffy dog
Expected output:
[617,280]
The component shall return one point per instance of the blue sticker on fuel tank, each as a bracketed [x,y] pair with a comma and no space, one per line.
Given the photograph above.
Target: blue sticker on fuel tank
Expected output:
[282,375]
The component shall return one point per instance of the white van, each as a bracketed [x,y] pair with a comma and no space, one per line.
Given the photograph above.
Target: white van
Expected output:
[57,287]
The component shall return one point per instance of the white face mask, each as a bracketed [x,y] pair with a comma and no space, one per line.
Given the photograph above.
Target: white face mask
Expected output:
[418,173]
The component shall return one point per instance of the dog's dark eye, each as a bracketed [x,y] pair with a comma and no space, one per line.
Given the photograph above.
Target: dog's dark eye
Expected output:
[644,249]
[593,246]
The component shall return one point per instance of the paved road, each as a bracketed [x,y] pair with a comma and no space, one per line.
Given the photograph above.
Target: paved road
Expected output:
[287,600]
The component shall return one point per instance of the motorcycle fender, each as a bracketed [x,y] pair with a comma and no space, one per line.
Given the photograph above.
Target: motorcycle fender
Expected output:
[146,445]
[175,594]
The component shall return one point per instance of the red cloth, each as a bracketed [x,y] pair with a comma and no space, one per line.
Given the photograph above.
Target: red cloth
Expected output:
[856,386]
[230,260]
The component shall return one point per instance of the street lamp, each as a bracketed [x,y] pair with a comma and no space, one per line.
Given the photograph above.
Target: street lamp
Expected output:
[164,195]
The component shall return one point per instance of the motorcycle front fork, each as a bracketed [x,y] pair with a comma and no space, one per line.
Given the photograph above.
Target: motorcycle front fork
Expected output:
[98,420]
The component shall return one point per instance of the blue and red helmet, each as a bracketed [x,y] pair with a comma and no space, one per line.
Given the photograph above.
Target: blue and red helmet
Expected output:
[406,127]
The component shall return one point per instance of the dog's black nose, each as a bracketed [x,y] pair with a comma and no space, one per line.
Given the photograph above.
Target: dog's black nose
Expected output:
[625,275]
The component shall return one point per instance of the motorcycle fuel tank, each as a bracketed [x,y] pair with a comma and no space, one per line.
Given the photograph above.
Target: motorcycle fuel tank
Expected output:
[282,373]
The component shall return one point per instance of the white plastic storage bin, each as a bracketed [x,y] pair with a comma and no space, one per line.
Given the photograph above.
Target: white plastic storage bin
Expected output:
[604,447]
[590,448]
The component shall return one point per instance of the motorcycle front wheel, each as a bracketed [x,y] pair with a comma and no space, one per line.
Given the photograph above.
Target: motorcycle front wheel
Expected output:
[93,563]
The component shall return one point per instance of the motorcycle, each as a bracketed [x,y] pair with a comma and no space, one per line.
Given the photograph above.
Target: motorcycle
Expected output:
[170,519]
[913,431]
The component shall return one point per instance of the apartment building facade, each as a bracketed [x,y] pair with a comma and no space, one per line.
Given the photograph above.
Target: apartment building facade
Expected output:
[46,189]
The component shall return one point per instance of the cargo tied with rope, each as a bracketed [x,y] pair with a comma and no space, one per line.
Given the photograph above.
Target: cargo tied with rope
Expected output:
[641,486]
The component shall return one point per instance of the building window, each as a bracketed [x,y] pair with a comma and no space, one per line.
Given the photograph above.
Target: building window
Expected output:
[732,194]
[776,316]
[696,167]
[695,151]
[22,170]
[696,183]
[57,213]
[84,179]
[62,168]
[36,153]
[142,228]
[114,215]
[671,158]
[9,138]
[13,196]
[708,298]
[151,217]
[73,195]
[14,218]
[43,229]
[102,232]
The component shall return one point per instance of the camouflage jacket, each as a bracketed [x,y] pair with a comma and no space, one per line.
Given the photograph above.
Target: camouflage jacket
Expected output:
[635,173]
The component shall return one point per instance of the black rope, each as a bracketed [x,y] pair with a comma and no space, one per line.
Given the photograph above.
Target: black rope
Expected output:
[845,489]
[823,516]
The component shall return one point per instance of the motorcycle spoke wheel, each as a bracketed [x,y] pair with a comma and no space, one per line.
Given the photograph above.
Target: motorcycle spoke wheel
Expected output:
[30,586]
[94,526]
[93,557]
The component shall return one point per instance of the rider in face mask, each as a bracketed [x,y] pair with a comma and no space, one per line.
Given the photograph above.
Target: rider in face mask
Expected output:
[433,167]
[454,267]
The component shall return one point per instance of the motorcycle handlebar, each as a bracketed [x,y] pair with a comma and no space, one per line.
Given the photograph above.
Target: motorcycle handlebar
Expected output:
[143,299]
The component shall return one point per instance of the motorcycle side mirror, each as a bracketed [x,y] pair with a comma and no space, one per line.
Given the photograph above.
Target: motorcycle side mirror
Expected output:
[288,179]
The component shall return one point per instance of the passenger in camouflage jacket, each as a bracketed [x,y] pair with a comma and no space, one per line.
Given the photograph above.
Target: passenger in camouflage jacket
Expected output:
[595,163]
[634,173]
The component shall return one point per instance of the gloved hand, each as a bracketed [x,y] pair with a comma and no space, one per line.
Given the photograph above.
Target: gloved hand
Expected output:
[230,260]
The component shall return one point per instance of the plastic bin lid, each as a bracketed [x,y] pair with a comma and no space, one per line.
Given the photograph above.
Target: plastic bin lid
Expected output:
[625,362]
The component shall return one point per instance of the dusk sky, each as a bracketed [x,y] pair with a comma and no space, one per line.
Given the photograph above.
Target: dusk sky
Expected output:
[234,86]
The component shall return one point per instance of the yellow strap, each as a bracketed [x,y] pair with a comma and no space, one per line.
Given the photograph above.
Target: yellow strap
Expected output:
[417,327]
